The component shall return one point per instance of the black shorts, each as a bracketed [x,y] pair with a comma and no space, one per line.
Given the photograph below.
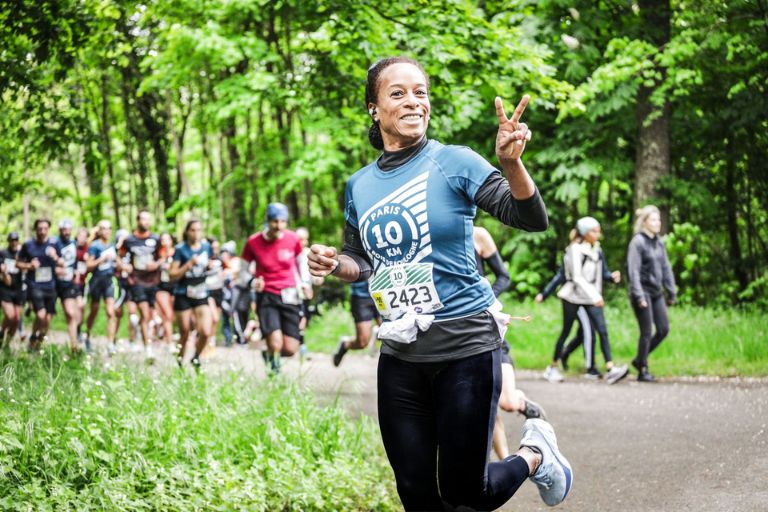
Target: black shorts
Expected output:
[69,291]
[13,296]
[166,287]
[183,303]
[43,298]
[139,293]
[274,315]
[217,296]
[101,288]
[363,309]
[506,357]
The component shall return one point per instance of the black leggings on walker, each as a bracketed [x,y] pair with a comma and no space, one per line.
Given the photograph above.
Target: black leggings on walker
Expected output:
[597,321]
[436,422]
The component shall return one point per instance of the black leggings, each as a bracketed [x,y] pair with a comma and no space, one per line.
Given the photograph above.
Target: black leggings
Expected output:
[597,321]
[436,422]
[654,314]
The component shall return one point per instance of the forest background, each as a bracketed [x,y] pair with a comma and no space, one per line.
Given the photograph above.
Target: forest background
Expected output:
[214,108]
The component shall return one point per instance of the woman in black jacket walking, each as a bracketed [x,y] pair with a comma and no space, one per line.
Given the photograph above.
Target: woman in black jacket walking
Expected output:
[649,274]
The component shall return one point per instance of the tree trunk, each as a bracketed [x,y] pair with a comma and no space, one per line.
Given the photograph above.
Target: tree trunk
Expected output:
[182,183]
[652,160]
[106,148]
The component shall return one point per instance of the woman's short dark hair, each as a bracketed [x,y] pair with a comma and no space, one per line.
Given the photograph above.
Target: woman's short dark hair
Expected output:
[42,221]
[372,92]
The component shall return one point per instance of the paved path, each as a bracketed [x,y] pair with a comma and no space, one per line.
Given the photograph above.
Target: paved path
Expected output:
[669,446]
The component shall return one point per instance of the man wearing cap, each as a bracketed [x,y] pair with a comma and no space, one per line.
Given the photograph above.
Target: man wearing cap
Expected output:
[272,257]
[143,272]
[40,258]
[68,277]
[11,289]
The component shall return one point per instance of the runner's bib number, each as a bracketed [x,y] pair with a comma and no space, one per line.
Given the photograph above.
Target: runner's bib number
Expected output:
[43,275]
[67,274]
[290,296]
[82,268]
[140,261]
[108,261]
[400,289]
[198,291]
[10,266]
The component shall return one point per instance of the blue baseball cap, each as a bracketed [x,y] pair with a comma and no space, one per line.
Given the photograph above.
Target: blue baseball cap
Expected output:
[277,211]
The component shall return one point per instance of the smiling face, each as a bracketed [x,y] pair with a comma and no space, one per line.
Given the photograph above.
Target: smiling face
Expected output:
[402,108]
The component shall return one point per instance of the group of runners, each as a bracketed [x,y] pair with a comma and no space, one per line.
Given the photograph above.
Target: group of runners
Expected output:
[194,285]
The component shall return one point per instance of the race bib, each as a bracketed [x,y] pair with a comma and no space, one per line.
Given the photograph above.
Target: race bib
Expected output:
[140,261]
[165,277]
[82,268]
[43,274]
[400,289]
[10,266]
[67,274]
[290,296]
[198,291]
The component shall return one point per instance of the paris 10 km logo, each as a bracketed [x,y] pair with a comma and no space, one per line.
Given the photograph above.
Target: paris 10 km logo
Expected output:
[392,234]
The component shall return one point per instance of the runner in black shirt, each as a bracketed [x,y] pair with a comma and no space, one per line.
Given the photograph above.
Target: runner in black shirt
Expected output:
[39,258]
[11,289]
[143,272]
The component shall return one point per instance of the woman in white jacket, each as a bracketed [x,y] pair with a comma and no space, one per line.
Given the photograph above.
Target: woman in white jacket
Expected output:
[583,288]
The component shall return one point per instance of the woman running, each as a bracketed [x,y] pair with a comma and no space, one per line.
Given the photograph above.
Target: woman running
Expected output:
[409,229]
[12,294]
[649,275]
[191,260]
[583,288]
[164,296]
[101,262]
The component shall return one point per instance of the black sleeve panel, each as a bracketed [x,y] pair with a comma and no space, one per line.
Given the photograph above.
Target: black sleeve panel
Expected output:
[495,197]
[353,248]
[502,282]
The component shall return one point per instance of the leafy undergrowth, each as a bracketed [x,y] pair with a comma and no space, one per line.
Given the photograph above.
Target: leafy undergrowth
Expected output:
[77,435]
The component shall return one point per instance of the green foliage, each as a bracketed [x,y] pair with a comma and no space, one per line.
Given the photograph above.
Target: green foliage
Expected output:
[78,435]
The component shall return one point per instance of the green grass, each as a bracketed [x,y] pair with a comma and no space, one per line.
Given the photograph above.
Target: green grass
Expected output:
[75,435]
[702,341]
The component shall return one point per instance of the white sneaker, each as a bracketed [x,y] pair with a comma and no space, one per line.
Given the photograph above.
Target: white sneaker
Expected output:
[111,349]
[552,374]
[616,373]
[148,352]
[554,476]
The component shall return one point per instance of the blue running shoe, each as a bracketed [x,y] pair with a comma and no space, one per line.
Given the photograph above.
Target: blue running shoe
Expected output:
[554,476]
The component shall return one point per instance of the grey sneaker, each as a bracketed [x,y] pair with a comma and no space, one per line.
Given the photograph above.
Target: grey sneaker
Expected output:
[554,476]
[552,374]
[616,373]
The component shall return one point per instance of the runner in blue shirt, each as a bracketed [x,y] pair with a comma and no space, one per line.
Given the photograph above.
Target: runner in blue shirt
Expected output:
[409,230]
[191,262]
[39,258]
[102,262]
[68,281]
[12,294]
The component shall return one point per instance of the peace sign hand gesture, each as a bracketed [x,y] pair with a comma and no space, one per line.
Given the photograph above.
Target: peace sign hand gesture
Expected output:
[512,134]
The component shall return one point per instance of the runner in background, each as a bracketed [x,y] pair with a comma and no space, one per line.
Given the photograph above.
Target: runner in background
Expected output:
[511,399]
[81,273]
[227,257]
[66,288]
[215,282]
[39,258]
[364,313]
[308,282]
[101,262]
[191,261]
[273,256]
[124,300]
[11,290]
[164,296]
[143,273]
